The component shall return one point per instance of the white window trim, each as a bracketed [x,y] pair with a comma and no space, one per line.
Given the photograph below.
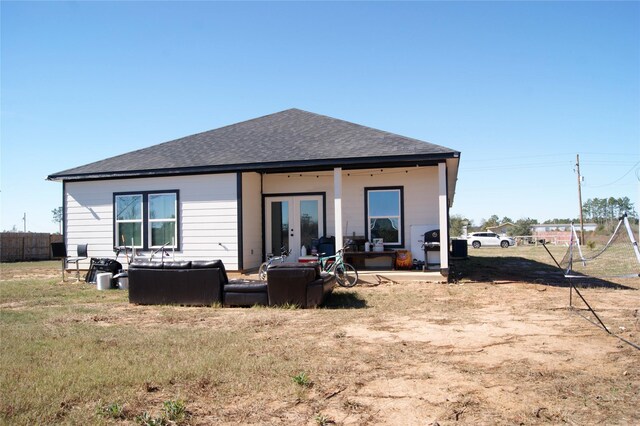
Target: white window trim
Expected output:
[400,217]
[152,221]
[146,221]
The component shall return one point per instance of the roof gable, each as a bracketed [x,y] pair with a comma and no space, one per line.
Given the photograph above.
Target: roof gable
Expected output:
[288,138]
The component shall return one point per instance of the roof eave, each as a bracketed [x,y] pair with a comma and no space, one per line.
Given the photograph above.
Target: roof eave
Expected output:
[273,167]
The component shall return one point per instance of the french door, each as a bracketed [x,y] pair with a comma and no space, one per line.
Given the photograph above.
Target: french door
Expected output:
[293,221]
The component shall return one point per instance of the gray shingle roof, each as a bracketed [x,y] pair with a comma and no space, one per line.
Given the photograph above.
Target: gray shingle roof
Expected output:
[289,139]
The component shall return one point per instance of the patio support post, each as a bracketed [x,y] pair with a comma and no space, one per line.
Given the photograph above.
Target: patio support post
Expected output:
[443,214]
[337,203]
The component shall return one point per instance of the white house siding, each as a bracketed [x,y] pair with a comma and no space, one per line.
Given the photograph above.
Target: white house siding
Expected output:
[251,220]
[208,215]
[420,194]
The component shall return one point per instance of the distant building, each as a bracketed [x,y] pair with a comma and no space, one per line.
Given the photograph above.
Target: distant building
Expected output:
[558,233]
[502,229]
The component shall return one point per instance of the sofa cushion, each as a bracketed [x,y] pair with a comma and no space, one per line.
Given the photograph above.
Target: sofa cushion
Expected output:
[206,264]
[145,264]
[183,264]
[245,299]
[298,265]
[245,287]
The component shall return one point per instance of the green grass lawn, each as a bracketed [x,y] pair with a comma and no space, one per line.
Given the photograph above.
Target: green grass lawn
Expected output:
[72,354]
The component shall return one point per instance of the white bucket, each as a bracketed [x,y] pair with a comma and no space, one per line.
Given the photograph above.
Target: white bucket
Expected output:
[103,281]
[123,283]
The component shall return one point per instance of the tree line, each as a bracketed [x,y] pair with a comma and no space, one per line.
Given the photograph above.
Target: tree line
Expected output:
[602,210]
[595,210]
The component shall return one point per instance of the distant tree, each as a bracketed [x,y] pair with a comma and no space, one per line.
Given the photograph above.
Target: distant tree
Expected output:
[456,223]
[57,217]
[494,220]
[522,227]
[602,210]
[506,219]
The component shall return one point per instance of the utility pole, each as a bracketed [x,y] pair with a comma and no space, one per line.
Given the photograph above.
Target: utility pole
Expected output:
[580,199]
[24,219]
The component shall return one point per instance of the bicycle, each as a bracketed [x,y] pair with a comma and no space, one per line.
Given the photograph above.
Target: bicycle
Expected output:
[346,275]
[262,272]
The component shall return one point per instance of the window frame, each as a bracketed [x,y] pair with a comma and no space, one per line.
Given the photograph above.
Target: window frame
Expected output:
[367,218]
[116,222]
[146,221]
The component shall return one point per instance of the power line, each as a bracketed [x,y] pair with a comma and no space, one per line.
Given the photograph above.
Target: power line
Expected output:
[516,166]
[620,178]
[519,157]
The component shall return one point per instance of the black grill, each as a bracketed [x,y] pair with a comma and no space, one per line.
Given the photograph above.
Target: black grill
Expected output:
[432,240]
[431,244]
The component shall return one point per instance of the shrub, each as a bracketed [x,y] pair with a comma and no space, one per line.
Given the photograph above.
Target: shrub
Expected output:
[113,411]
[301,379]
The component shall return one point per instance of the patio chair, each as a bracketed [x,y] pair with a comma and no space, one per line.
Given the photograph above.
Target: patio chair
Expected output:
[59,251]
[82,254]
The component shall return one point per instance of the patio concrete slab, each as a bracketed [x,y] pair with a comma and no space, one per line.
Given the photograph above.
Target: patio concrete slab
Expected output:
[377,277]
[372,277]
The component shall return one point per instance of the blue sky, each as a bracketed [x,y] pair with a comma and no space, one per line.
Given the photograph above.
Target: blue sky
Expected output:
[519,88]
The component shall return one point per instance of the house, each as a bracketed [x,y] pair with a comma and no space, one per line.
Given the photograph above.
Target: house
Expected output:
[502,229]
[241,191]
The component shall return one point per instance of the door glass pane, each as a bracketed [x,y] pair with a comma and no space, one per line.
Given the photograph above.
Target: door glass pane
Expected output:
[308,222]
[279,226]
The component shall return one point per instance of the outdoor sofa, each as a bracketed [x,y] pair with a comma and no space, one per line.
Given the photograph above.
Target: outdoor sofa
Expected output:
[206,282]
[301,284]
[182,283]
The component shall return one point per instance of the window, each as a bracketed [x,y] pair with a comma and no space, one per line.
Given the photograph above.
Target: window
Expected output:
[129,220]
[384,215]
[162,219]
[146,219]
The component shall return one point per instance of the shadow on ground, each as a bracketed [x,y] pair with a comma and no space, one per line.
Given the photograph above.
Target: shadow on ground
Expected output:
[345,300]
[519,269]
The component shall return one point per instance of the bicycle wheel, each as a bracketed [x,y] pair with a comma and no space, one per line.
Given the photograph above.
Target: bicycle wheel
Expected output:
[346,275]
[262,272]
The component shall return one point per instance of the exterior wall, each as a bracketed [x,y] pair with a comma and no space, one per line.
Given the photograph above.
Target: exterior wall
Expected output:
[209,209]
[251,220]
[420,194]
[208,215]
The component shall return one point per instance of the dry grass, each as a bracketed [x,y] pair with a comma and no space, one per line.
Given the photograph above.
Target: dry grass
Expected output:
[497,346]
